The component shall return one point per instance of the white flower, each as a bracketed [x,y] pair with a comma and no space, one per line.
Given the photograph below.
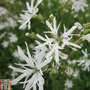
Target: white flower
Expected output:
[86,37]
[11,1]
[32,69]
[68,83]
[52,43]
[56,43]
[85,62]
[63,1]
[5,44]
[11,22]
[3,11]
[79,5]
[76,73]
[69,71]
[28,14]
[72,62]
[13,38]
[87,15]
[75,15]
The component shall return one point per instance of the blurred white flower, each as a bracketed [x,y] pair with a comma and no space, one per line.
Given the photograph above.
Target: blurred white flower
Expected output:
[12,38]
[28,14]
[75,15]
[32,68]
[11,1]
[79,5]
[85,62]
[72,62]
[87,15]
[68,83]
[76,73]
[69,70]
[11,22]
[5,44]
[3,11]
[63,1]
[16,55]
[32,46]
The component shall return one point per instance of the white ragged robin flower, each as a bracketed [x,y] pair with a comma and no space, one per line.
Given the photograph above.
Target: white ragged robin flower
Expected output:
[52,43]
[57,43]
[79,5]
[29,13]
[76,73]
[85,62]
[5,44]
[68,84]
[31,70]
[12,38]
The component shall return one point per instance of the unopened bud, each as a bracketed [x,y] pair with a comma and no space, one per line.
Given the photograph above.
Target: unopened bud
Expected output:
[51,16]
[28,34]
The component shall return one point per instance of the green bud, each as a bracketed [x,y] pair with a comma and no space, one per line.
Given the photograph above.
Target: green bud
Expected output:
[52,70]
[28,34]
[51,16]
[32,35]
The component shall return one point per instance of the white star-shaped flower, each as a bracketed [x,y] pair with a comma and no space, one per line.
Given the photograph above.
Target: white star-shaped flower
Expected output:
[57,43]
[31,70]
[52,43]
[13,38]
[79,5]
[68,83]
[85,61]
[28,14]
